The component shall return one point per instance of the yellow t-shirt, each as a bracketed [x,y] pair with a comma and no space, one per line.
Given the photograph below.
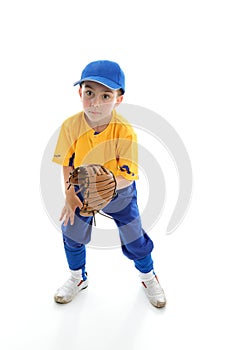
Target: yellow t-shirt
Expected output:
[115,147]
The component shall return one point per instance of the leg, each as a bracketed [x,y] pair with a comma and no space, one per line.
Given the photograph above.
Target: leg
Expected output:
[80,231]
[75,255]
[145,264]
[136,244]
[75,237]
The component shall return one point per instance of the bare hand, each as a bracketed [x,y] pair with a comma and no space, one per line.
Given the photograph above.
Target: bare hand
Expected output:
[68,212]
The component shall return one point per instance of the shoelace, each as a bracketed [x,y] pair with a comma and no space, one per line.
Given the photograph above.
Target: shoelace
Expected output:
[69,285]
[153,286]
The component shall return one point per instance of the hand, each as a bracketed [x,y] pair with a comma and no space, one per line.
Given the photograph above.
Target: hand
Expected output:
[71,204]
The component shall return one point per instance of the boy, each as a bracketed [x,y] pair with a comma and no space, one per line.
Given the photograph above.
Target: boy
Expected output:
[99,135]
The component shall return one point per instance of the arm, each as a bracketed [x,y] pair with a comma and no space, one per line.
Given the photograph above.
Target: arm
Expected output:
[127,157]
[122,182]
[72,201]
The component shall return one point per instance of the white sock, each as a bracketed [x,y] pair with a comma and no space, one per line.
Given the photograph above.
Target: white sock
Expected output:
[76,274]
[147,276]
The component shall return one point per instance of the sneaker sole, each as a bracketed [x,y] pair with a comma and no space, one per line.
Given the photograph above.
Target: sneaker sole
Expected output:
[159,304]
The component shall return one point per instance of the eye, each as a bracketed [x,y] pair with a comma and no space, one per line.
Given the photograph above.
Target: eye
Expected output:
[106,97]
[89,93]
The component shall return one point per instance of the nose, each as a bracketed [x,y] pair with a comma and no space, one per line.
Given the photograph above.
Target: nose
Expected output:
[95,101]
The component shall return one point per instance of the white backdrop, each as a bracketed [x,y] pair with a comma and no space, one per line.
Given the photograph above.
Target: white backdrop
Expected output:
[177,56]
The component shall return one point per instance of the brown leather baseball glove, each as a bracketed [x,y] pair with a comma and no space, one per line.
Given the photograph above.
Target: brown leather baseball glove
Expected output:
[97,185]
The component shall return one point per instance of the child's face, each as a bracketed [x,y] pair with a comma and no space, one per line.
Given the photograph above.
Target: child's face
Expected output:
[98,100]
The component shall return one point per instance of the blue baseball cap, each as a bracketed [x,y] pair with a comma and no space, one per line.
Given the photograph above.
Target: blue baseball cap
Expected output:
[104,72]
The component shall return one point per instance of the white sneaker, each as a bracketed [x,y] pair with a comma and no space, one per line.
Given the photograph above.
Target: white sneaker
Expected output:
[70,288]
[153,290]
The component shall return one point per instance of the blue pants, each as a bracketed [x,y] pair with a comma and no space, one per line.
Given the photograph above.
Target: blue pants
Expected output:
[135,243]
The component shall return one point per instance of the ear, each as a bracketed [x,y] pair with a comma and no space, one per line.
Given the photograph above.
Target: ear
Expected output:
[119,100]
[80,91]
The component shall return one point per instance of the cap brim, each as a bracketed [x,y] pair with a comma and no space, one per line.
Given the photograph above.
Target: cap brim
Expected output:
[106,82]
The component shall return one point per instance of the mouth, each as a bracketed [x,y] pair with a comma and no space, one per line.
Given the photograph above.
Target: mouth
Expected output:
[95,113]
